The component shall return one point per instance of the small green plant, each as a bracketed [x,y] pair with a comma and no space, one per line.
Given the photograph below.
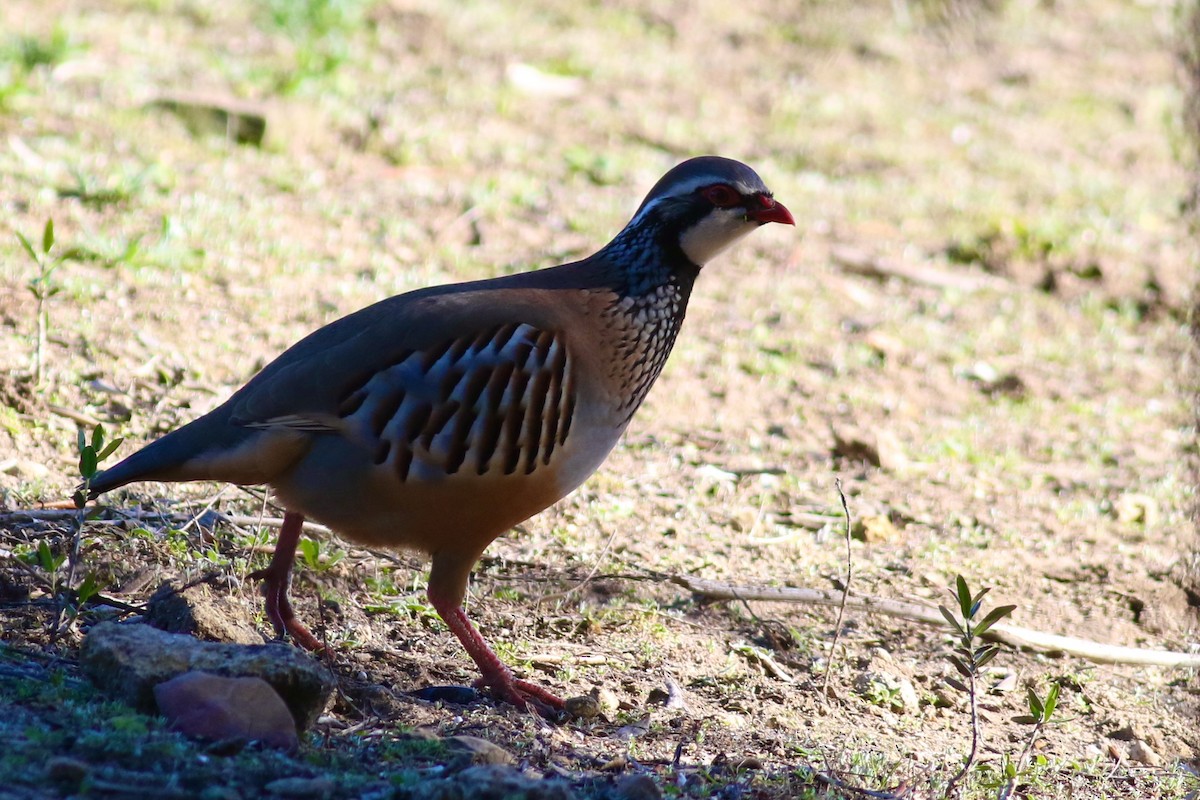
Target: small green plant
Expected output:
[320,31]
[413,605]
[12,85]
[113,253]
[43,288]
[20,56]
[90,455]
[310,555]
[880,694]
[44,557]
[46,560]
[1041,714]
[970,656]
[112,189]
[70,598]
[30,52]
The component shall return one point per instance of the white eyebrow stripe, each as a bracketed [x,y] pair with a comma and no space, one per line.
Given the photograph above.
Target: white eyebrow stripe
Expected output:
[687,187]
[643,212]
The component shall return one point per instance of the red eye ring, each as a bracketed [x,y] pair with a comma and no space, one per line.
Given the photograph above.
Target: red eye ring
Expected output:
[722,195]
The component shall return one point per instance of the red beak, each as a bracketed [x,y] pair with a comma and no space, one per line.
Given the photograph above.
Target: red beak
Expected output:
[770,210]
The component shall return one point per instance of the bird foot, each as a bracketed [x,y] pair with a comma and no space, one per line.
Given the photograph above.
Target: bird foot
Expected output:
[522,694]
[279,610]
[277,577]
[496,677]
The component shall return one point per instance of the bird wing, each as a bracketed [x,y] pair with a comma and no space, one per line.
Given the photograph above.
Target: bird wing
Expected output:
[431,385]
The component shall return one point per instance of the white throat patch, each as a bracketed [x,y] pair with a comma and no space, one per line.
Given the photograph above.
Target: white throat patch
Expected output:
[715,232]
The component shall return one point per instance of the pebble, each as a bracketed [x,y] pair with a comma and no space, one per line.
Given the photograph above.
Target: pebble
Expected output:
[582,707]
[66,771]
[1143,753]
[477,751]
[637,787]
[207,706]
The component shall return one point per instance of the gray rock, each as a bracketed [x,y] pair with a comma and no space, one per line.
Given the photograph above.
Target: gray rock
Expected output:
[199,611]
[128,661]
[1143,753]
[24,469]
[637,787]
[471,750]
[217,115]
[301,787]
[491,782]
[582,707]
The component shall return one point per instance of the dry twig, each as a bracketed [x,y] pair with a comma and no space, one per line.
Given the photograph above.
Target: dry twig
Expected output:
[860,262]
[1012,635]
[837,629]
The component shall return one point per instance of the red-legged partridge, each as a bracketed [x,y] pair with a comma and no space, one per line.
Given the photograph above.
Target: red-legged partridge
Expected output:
[437,420]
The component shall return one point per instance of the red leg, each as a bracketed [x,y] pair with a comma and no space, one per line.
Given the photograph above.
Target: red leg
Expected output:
[496,676]
[276,578]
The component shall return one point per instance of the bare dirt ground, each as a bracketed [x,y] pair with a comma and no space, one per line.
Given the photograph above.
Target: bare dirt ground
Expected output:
[979,326]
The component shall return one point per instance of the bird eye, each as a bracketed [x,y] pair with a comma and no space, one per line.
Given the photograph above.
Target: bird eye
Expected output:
[722,196]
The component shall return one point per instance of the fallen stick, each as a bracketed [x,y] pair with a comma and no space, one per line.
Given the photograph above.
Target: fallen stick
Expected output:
[1012,635]
[271,522]
[80,417]
[860,262]
[182,517]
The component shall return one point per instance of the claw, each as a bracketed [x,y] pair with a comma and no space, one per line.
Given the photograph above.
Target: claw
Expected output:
[523,694]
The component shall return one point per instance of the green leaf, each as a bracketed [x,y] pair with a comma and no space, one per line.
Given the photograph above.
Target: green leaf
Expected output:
[986,657]
[1051,702]
[1026,719]
[48,236]
[98,438]
[46,558]
[995,615]
[964,596]
[109,448]
[310,551]
[88,589]
[961,666]
[957,684]
[1035,703]
[79,498]
[953,622]
[28,248]
[981,650]
[87,463]
[80,440]
[131,250]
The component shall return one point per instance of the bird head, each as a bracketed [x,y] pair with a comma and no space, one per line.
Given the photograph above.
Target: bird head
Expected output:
[708,203]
